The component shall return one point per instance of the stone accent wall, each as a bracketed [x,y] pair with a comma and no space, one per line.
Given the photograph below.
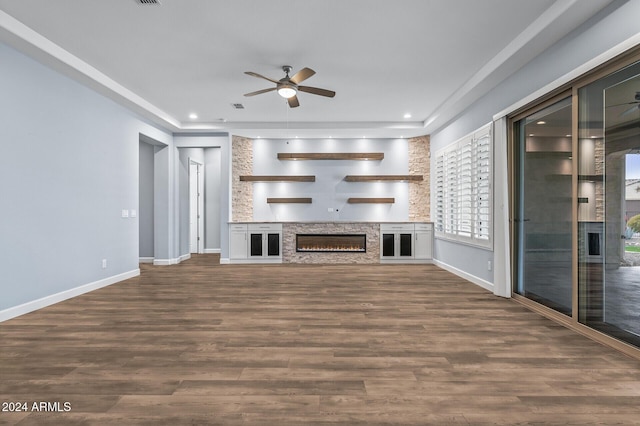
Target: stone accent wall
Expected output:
[289,231]
[419,192]
[599,167]
[614,225]
[241,192]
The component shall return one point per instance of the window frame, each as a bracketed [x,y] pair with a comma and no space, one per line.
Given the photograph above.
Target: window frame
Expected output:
[464,189]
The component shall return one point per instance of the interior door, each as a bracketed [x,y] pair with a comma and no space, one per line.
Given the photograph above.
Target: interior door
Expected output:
[196,207]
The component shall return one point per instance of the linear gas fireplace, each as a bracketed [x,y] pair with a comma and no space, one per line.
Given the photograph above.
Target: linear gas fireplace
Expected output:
[326,243]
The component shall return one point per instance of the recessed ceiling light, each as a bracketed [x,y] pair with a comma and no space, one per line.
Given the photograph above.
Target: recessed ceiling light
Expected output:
[531,134]
[193,116]
[407,115]
[593,137]
[568,136]
[541,122]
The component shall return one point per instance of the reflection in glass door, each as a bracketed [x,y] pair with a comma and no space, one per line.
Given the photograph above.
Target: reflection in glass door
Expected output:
[609,178]
[543,200]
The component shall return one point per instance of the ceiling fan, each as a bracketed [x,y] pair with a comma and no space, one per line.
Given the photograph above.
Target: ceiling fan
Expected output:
[636,105]
[288,87]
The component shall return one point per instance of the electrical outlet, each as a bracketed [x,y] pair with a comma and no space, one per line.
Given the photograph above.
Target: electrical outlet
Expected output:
[489,265]
[104,263]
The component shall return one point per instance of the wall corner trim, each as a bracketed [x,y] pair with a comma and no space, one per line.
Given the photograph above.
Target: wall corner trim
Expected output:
[43,302]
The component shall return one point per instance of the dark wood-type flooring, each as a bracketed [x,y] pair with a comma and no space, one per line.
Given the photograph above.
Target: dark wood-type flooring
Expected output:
[202,343]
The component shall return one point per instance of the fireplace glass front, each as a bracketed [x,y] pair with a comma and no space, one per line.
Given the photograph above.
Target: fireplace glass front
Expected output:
[349,243]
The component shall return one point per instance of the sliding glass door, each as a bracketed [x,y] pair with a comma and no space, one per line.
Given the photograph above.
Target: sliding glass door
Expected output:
[609,199]
[575,203]
[543,199]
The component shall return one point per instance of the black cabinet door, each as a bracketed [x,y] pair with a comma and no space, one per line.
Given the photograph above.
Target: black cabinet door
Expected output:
[405,244]
[388,245]
[256,244]
[273,244]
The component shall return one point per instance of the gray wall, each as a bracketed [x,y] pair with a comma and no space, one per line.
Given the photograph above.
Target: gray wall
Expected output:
[69,166]
[614,24]
[145,206]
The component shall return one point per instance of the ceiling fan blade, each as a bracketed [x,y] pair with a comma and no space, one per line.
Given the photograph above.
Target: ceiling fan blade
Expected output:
[255,74]
[630,110]
[293,101]
[317,91]
[302,75]
[626,103]
[258,92]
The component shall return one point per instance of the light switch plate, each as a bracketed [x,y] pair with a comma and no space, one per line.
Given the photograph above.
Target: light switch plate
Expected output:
[133,213]
[125,213]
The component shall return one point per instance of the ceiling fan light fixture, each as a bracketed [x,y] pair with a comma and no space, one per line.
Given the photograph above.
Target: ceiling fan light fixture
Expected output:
[286,91]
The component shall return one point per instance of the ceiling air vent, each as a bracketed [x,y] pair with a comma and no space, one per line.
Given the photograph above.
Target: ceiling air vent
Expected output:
[148,2]
[238,106]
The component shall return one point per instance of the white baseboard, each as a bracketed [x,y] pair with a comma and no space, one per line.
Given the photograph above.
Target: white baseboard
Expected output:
[406,261]
[256,261]
[212,251]
[174,261]
[145,260]
[225,261]
[34,305]
[478,281]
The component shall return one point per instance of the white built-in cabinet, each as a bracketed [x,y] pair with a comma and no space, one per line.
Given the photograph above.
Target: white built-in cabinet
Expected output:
[238,241]
[423,238]
[406,242]
[255,243]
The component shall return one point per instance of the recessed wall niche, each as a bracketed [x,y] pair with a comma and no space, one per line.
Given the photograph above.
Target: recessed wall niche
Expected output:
[331,161]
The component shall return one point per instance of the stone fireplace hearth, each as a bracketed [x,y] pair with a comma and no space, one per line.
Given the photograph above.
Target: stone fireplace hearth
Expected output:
[333,242]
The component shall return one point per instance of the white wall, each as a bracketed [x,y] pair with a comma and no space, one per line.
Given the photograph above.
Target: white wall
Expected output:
[68,167]
[613,25]
[330,190]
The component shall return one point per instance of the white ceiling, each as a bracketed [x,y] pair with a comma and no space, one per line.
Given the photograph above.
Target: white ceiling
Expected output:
[428,58]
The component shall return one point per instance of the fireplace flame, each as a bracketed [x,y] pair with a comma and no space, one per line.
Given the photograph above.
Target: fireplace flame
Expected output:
[330,248]
[331,243]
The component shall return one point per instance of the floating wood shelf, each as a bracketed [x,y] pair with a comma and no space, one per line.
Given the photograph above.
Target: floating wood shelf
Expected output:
[289,200]
[378,178]
[330,155]
[271,178]
[594,178]
[371,200]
